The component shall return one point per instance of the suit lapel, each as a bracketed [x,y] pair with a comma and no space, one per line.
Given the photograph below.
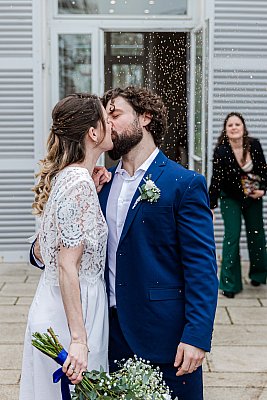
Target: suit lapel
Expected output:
[155,170]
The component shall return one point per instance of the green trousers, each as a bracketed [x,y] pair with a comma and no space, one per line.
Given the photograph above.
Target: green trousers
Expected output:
[232,211]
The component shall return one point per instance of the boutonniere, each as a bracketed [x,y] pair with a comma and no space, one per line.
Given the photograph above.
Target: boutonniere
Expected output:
[148,191]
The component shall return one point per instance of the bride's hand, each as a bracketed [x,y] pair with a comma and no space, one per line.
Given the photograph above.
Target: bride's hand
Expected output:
[101,176]
[76,362]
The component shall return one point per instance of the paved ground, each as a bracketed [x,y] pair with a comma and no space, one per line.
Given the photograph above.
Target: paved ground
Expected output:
[236,368]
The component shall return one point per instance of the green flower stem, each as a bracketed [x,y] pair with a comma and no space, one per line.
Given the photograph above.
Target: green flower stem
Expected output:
[56,341]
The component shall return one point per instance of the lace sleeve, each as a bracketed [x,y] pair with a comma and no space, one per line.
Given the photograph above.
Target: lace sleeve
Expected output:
[76,215]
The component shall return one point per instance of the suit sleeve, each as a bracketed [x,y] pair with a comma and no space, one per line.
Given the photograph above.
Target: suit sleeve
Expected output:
[197,248]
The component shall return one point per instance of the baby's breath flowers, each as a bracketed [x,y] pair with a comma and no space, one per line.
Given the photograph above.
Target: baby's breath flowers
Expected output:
[136,378]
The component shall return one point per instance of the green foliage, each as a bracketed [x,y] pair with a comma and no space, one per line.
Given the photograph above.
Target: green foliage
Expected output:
[135,380]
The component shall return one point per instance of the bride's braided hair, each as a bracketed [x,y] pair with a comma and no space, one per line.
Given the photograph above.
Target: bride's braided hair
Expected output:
[72,117]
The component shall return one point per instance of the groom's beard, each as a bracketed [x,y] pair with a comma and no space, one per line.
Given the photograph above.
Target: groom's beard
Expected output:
[126,140]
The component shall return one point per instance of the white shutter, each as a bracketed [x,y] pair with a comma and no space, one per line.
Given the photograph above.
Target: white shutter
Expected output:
[16,129]
[240,74]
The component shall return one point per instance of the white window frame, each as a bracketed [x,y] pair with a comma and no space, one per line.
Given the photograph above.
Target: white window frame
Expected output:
[191,123]
[192,14]
[64,27]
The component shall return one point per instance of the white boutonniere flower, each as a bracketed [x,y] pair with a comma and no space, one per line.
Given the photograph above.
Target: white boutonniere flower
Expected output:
[148,191]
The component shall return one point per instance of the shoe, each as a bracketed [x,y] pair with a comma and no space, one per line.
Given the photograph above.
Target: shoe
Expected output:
[229,295]
[254,283]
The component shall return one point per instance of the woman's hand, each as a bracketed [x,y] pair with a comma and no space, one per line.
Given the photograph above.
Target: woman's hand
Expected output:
[76,362]
[256,194]
[101,176]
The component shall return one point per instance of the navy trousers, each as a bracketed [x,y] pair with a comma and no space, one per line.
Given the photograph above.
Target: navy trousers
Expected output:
[186,387]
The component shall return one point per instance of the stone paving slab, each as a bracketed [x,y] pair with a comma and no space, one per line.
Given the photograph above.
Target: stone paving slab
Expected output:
[240,335]
[8,300]
[10,377]
[238,359]
[222,317]
[235,394]
[13,313]
[239,315]
[10,392]
[18,289]
[18,269]
[12,332]
[251,292]
[237,302]
[12,354]
[236,379]
[27,301]
[13,278]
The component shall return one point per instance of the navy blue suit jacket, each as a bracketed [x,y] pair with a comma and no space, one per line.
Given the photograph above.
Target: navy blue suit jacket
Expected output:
[166,272]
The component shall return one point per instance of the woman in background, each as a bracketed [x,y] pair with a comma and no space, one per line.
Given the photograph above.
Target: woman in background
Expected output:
[239,179]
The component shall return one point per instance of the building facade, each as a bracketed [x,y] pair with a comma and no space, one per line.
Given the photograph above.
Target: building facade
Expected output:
[204,57]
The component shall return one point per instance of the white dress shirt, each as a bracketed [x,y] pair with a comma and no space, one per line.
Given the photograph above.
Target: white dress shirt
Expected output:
[121,193]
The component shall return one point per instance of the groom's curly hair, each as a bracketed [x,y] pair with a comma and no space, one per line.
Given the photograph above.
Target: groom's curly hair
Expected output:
[143,100]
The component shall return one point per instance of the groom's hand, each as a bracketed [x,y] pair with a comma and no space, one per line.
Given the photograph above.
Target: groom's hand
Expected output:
[100,176]
[188,359]
[37,251]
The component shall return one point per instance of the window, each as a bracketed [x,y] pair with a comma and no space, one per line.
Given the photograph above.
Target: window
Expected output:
[127,7]
[74,64]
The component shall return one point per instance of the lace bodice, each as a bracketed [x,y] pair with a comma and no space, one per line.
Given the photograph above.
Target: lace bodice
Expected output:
[72,216]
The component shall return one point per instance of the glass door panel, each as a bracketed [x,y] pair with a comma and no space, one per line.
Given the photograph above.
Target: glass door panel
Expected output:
[198,94]
[125,75]
[156,60]
[199,99]
[75,59]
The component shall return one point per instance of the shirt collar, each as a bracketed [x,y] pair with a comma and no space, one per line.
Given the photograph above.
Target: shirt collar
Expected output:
[144,167]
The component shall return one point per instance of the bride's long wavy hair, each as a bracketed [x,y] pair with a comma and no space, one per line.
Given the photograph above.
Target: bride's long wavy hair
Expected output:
[72,117]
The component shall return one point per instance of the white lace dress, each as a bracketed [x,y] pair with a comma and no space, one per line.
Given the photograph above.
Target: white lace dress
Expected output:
[72,216]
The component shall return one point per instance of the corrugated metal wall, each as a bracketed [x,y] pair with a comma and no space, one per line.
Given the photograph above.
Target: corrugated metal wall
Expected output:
[240,73]
[16,129]
[239,82]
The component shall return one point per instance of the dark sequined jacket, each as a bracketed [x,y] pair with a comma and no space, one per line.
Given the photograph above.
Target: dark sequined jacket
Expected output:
[227,173]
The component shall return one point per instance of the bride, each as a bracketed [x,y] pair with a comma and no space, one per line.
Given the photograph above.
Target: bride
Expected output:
[71,295]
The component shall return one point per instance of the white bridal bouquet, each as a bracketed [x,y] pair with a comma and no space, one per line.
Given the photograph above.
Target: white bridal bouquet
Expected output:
[136,378]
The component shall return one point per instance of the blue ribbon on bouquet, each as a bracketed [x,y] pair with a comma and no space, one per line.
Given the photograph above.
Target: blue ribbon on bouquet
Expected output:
[59,375]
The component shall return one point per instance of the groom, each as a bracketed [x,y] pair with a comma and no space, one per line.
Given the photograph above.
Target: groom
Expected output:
[161,267]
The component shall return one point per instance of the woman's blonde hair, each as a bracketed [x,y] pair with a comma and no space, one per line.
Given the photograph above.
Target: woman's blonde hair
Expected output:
[72,118]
